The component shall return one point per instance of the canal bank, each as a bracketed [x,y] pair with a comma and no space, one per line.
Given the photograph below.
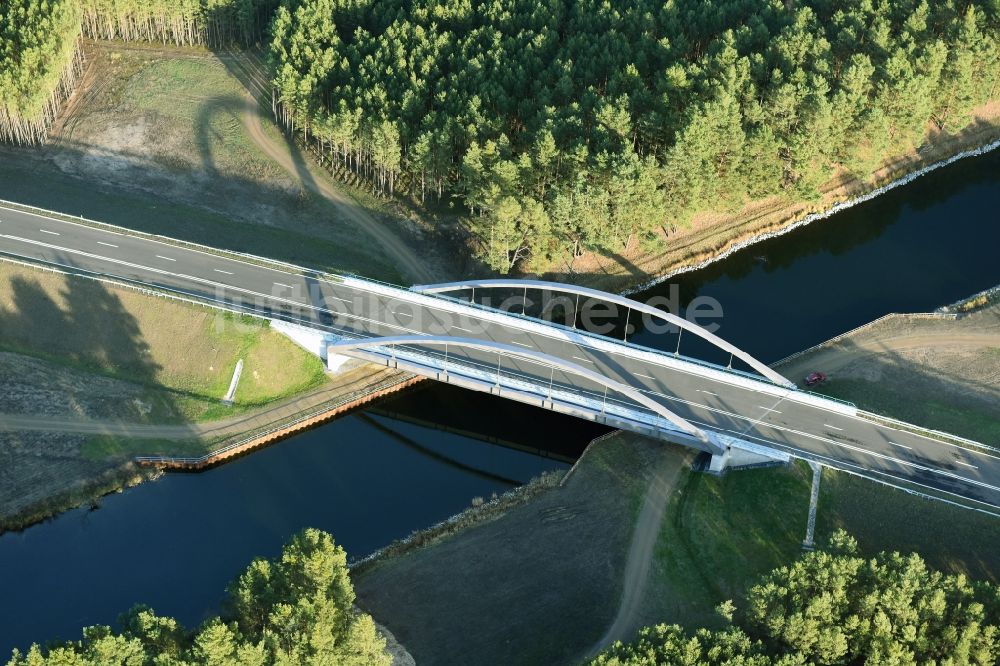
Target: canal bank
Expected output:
[714,236]
[572,547]
[909,250]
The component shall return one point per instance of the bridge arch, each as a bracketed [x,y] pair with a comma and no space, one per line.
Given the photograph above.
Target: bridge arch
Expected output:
[632,304]
[545,359]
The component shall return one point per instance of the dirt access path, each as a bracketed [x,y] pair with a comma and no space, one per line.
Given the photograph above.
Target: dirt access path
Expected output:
[354,381]
[248,69]
[641,551]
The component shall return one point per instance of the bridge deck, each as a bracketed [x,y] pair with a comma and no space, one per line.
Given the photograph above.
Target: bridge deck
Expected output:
[733,405]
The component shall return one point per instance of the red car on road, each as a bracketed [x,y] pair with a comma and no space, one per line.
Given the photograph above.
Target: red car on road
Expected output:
[815,378]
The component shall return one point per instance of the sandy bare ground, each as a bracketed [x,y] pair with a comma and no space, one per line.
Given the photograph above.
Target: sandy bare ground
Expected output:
[937,373]
[843,356]
[962,356]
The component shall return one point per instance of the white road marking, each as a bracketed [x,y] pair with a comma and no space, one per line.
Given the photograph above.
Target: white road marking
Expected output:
[902,446]
[586,360]
[108,244]
[522,344]
[459,328]
[286,286]
[46,231]
[796,452]
[966,464]
[770,409]
[639,374]
[160,256]
[680,370]
[708,392]
[342,300]
[827,425]
[977,452]
[219,270]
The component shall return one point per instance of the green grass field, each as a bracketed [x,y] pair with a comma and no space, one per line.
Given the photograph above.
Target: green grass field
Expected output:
[970,420]
[183,354]
[721,534]
[212,103]
[103,447]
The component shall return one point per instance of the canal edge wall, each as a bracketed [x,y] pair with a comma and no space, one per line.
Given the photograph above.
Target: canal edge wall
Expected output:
[299,424]
[794,221]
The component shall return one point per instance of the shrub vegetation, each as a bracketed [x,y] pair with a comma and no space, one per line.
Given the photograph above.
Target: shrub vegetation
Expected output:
[834,607]
[296,609]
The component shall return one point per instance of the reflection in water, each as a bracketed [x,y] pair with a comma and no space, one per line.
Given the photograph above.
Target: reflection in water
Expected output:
[176,542]
[912,249]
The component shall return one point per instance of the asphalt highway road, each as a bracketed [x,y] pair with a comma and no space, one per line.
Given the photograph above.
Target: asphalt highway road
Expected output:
[852,443]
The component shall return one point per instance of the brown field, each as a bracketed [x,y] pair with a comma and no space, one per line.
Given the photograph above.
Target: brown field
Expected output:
[937,373]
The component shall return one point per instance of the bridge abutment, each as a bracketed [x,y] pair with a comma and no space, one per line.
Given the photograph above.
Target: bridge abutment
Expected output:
[740,454]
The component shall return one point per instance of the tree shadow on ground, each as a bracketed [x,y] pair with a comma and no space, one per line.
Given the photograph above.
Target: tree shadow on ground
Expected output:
[237,213]
[90,327]
[85,328]
[77,336]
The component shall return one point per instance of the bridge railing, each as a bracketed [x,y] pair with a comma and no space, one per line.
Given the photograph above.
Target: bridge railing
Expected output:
[539,386]
[596,337]
[339,277]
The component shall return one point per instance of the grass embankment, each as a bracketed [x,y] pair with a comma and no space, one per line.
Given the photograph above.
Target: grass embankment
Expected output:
[722,533]
[158,142]
[542,582]
[92,370]
[538,584]
[183,354]
[939,373]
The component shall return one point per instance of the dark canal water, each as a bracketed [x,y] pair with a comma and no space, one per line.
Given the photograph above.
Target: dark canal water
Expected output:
[375,476]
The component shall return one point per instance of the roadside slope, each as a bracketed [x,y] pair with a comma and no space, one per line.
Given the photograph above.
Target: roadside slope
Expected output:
[540,584]
[642,549]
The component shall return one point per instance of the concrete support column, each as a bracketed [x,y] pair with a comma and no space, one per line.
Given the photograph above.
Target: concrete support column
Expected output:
[809,543]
